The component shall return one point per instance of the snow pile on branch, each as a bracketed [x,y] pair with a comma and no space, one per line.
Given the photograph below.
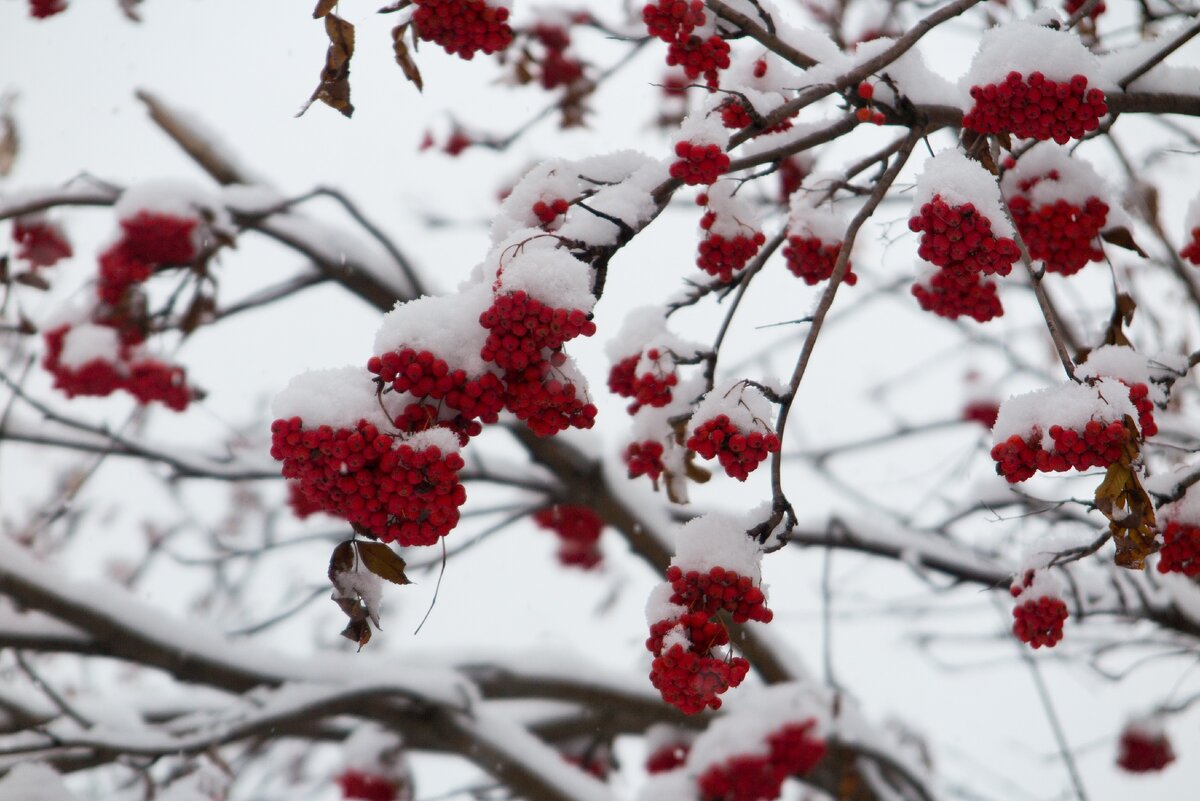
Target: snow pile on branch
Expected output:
[959,181]
[1069,405]
[338,397]
[1028,46]
[33,781]
[445,325]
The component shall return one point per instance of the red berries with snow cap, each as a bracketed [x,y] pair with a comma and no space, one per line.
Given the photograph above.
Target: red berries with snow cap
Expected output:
[1034,107]
[699,163]
[1039,614]
[731,425]
[957,237]
[731,232]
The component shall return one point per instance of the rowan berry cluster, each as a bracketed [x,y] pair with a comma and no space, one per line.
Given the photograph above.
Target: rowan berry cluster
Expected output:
[1191,252]
[792,172]
[548,212]
[959,239]
[367,787]
[1181,550]
[949,295]
[392,490]
[982,412]
[688,674]
[40,243]
[463,27]
[1039,621]
[1141,751]
[425,376]
[793,750]
[1139,395]
[1061,234]
[718,590]
[734,115]
[556,67]
[813,260]
[1099,444]
[578,529]
[867,113]
[1034,107]
[148,380]
[699,163]
[40,9]
[739,452]
[676,22]
[299,502]
[520,327]
[652,387]
[645,459]
[722,256]
[547,406]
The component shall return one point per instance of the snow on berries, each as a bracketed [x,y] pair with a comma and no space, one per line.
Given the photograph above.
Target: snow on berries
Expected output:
[791,750]
[644,357]
[732,232]
[333,435]
[91,359]
[958,212]
[1191,249]
[1059,205]
[540,199]
[667,747]
[1073,426]
[700,150]
[578,529]
[716,568]
[1136,372]
[762,84]
[1058,93]
[1040,612]
[1144,747]
[375,767]
[732,425]
[814,239]
[464,27]
[40,242]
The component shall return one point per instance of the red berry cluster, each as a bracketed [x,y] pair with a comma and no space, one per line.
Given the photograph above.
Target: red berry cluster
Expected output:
[734,115]
[672,20]
[546,405]
[949,295]
[578,529]
[462,27]
[119,271]
[813,260]
[299,502]
[1034,107]
[367,787]
[1061,234]
[645,459]
[651,388]
[41,9]
[520,327]
[719,590]
[1038,621]
[699,163]
[791,751]
[1143,752]
[1098,445]
[557,68]
[721,256]
[390,489]
[40,243]
[959,239]
[148,380]
[667,757]
[1181,550]
[738,452]
[159,238]
[425,376]
[697,56]
[792,173]
[691,678]
[1192,251]
[1139,395]
[547,212]
[982,412]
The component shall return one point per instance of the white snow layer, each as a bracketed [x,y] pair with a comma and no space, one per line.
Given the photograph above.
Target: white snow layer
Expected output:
[745,406]
[718,540]
[1027,46]
[89,342]
[1069,405]
[338,397]
[445,325]
[33,781]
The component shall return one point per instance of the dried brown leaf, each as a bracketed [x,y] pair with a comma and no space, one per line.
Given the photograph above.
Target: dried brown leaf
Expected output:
[334,88]
[1128,507]
[341,560]
[383,562]
[1123,238]
[32,279]
[404,58]
[323,8]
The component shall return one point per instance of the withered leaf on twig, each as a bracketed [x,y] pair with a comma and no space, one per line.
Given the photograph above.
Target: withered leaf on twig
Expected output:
[383,562]
[1123,238]
[1127,505]
[323,8]
[404,58]
[334,88]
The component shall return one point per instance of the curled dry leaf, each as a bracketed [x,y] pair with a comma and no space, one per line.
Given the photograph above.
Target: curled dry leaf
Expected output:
[334,88]
[1130,512]
[1123,238]
[383,562]
[404,58]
